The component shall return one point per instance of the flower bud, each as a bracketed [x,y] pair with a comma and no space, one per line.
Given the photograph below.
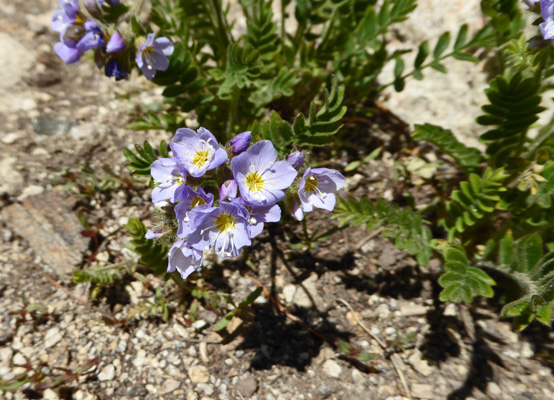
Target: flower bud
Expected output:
[228,190]
[296,159]
[241,142]
[115,43]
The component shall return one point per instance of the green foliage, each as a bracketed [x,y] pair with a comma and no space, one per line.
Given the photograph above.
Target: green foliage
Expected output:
[141,161]
[466,157]
[152,254]
[239,310]
[475,200]
[102,275]
[460,282]
[243,67]
[514,105]
[322,124]
[533,272]
[404,226]
[157,307]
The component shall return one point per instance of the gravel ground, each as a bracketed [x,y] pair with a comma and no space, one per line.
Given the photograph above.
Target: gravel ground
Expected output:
[57,118]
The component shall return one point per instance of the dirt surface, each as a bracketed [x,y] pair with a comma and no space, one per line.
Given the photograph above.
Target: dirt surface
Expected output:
[56,119]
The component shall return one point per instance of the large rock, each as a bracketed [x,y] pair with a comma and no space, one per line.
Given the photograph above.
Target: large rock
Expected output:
[51,227]
[16,61]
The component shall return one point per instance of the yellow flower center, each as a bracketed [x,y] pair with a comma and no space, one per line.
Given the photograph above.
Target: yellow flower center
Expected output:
[311,184]
[180,180]
[225,223]
[197,201]
[200,158]
[254,182]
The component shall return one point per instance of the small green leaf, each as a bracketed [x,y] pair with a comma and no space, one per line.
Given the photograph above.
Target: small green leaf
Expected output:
[442,45]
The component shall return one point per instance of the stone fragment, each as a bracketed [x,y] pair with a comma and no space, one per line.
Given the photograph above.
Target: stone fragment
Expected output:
[206,388]
[10,178]
[48,126]
[420,365]
[307,294]
[411,310]
[52,337]
[199,374]
[107,373]
[169,386]
[422,391]
[288,292]
[51,227]
[247,386]
[332,369]
[32,190]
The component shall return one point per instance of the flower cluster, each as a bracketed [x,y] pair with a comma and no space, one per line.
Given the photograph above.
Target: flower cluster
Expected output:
[547,12]
[251,182]
[86,29]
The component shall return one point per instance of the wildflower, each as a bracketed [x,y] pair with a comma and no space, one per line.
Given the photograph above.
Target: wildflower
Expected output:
[262,180]
[93,39]
[67,52]
[155,232]
[67,16]
[199,152]
[547,12]
[296,159]
[258,215]
[115,44]
[191,203]
[116,69]
[228,190]
[184,259]
[241,142]
[317,187]
[170,175]
[225,228]
[152,55]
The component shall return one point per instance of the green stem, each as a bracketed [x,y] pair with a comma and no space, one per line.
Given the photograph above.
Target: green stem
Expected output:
[233,112]
[219,23]
[296,42]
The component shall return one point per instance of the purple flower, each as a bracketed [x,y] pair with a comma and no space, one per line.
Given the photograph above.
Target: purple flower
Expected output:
[262,180]
[296,210]
[115,69]
[192,202]
[93,39]
[67,52]
[115,44]
[228,190]
[241,142]
[296,159]
[184,258]
[317,187]
[155,232]
[225,228]
[547,12]
[258,215]
[153,55]
[64,18]
[170,175]
[199,152]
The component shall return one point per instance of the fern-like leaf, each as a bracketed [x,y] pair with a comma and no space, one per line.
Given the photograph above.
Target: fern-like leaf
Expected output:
[514,107]
[243,66]
[321,124]
[475,199]
[152,254]
[102,275]
[141,161]
[533,272]
[404,226]
[466,157]
[460,282]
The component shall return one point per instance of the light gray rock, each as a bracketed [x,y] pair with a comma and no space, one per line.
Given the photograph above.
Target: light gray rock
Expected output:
[52,337]
[169,386]
[16,61]
[332,369]
[10,178]
[107,373]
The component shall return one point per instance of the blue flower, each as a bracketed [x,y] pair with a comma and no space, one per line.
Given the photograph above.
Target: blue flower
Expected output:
[67,51]
[224,228]
[547,12]
[170,175]
[258,215]
[317,189]
[93,38]
[184,259]
[296,159]
[260,178]
[116,69]
[192,202]
[152,55]
[199,152]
